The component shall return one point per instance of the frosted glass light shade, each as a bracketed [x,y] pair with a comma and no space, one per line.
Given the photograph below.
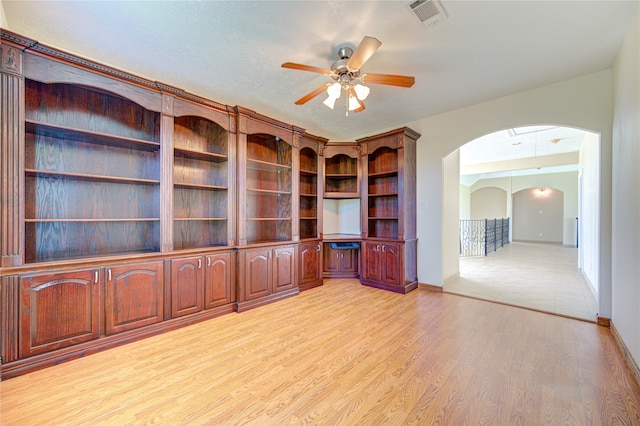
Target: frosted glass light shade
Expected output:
[330,101]
[353,103]
[362,91]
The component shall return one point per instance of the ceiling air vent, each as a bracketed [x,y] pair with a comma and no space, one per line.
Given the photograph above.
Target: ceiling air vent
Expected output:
[428,12]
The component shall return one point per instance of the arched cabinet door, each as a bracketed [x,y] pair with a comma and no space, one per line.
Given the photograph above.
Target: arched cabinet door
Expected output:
[133,296]
[58,310]
[219,280]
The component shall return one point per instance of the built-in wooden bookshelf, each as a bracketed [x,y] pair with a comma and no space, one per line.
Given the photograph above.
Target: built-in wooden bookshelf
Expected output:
[268,187]
[389,249]
[382,190]
[308,194]
[91,174]
[130,207]
[200,181]
[341,171]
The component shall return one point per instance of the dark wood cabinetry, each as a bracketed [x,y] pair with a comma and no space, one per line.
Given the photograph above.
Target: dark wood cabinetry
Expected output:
[341,170]
[220,283]
[130,207]
[340,263]
[310,265]
[268,209]
[266,274]
[81,144]
[201,282]
[187,286]
[58,310]
[133,296]
[310,211]
[382,263]
[388,210]
[201,183]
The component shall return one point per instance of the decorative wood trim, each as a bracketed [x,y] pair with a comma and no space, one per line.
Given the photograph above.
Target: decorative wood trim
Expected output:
[16,39]
[11,169]
[251,122]
[430,287]
[605,322]
[166,174]
[626,354]
[9,314]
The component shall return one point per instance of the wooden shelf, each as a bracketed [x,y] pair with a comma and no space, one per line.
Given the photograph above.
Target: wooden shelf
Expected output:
[198,219]
[136,219]
[69,133]
[272,219]
[199,155]
[89,177]
[199,186]
[383,174]
[341,176]
[268,191]
[253,164]
[385,194]
[308,173]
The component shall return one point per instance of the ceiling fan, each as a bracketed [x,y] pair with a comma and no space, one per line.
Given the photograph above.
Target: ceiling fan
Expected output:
[346,76]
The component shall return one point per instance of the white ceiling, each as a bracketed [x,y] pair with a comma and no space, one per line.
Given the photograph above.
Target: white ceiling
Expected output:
[231,51]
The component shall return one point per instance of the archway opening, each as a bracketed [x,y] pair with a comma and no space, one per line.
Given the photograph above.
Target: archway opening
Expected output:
[546,179]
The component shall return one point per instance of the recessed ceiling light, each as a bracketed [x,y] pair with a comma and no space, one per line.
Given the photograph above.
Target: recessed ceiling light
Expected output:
[556,140]
[516,143]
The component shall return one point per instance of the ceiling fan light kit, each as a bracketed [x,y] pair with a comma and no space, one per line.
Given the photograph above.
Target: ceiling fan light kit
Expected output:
[346,75]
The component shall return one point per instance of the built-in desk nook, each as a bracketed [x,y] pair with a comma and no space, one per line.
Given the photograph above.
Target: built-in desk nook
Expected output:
[341,254]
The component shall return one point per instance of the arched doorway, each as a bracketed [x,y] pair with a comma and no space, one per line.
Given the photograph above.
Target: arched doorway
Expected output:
[546,201]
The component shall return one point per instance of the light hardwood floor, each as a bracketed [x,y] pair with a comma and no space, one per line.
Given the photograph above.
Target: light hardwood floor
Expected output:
[345,354]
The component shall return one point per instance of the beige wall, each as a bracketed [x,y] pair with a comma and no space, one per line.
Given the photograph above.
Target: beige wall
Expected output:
[3,16]
[489,203]
[584,102]
[626,190]
[538,215]
[341,216]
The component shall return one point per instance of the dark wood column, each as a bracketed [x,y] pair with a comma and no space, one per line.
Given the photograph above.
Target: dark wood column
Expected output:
[11,146]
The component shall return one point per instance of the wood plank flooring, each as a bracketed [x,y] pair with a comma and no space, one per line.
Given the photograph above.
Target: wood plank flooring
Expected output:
[345,354]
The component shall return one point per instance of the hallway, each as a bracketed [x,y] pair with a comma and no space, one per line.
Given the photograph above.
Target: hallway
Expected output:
[542,277]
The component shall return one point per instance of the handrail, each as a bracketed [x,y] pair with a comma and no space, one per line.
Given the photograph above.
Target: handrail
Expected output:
[484,236]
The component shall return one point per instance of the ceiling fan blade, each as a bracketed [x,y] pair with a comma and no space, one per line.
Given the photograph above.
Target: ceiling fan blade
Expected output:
[389,79]
[363,52]
[306,98]
[302,67]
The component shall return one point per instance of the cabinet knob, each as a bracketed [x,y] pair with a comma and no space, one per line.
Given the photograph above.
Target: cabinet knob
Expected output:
[208,261]
[199,263]
[95,277]
[109,274]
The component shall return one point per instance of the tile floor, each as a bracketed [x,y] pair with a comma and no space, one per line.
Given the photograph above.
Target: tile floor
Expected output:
[543,277]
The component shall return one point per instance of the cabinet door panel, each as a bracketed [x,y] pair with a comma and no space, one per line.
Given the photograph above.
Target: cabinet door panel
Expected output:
[371,261]
[330,259]
[309,262]
[258,274]
[390,260]
[284,272]
[219,288]
[133,296]
[349,261]
[187,286]
[58,310]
